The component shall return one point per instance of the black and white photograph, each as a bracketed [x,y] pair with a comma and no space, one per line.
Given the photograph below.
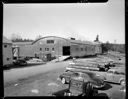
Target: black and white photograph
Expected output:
[64,49]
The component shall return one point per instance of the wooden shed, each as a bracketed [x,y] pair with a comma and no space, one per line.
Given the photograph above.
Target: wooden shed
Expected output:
[7,52]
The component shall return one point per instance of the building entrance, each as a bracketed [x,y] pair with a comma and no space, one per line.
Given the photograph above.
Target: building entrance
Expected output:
[48,57]
[66,50]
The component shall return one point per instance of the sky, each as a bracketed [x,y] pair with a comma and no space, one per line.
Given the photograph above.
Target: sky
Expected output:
[82,21]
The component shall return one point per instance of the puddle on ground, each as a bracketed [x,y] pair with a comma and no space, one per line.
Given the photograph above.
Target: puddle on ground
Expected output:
[36,91]
[53,84]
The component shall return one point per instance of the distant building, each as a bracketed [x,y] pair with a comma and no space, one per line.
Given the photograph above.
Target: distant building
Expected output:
[17,49]
[7,51]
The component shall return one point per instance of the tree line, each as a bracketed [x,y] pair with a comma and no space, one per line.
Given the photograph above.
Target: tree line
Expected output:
[22,40]
[18,38]
[113,47]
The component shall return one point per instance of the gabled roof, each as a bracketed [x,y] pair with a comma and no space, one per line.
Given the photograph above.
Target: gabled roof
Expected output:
[5,40]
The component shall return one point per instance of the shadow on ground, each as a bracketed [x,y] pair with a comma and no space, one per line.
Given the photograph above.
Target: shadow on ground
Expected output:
[20,66]
[80,57]
[106,87]
[61,93]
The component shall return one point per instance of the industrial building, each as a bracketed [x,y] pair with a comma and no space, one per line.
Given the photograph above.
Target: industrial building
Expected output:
[52,47]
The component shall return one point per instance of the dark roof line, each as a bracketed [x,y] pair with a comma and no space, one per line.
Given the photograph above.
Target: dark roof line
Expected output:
[47,37]
[69,40]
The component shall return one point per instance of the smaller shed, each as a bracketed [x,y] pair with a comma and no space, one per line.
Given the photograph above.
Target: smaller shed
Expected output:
[21,49]
[7,52]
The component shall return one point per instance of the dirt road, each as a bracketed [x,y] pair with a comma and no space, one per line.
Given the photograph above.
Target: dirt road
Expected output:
[38,81]
[20,73]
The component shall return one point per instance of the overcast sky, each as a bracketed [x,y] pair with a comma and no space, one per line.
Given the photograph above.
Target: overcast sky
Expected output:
[82,21]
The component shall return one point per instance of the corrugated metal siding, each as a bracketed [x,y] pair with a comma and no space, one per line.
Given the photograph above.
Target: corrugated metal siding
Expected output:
[82,50]
[7,54]
[42,44]
[26,51]
[39,47]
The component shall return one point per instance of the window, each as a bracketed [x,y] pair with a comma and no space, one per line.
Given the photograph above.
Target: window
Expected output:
[8,59]
[40,49]
[52,49]
[81,49]
[46,49]
[5,46]
[50,41]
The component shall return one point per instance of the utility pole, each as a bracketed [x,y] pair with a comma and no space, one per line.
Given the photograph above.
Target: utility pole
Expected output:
[114,45]
[58,51]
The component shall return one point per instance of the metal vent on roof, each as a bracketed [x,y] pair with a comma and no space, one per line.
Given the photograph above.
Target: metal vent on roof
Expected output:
[72,38]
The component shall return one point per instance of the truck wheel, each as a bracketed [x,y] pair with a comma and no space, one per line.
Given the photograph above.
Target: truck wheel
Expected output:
[122,82]
[63,80]
[106,69]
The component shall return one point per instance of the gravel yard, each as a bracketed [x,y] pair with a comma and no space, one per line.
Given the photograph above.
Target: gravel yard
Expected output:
[43,80]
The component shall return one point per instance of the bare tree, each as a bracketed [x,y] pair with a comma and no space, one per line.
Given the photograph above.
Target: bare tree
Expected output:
[38,37]
[97,39]
[15,36]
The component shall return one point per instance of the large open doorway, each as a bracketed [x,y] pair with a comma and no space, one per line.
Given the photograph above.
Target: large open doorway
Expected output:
[66,50]
[48,57]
